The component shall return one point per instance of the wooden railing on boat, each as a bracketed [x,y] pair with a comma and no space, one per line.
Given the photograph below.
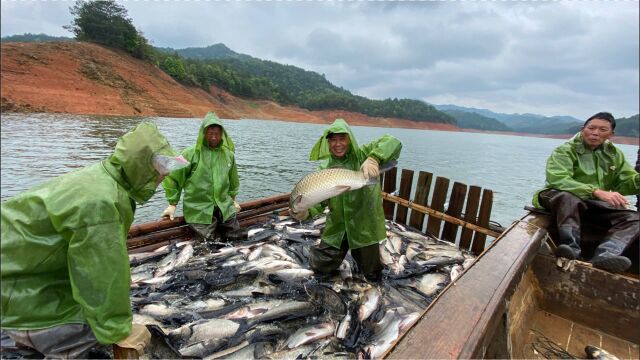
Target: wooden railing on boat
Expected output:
[474,221]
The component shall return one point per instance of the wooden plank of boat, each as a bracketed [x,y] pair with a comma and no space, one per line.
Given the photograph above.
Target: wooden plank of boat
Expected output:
[462,320]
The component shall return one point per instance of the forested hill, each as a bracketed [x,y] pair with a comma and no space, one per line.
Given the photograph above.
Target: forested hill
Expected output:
[471,120]
[475,118]
[250,77]
[28,37]
[216,51]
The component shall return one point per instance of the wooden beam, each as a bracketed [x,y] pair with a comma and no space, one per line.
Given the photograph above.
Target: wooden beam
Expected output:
[470,212]
[479,238]
[437,203]
[406,180]
[423,187]
[389,186]
[438,214]
[456,201]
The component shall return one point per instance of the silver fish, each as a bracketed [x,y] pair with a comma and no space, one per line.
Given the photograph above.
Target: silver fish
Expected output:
[203,348]
[310,334]
[324,184]
[369,303]
[290,275]
[343,328]
[594,352]
[387,331]
[205,329]
[430,283]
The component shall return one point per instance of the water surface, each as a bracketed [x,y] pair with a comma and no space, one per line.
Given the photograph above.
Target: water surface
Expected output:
[273,155]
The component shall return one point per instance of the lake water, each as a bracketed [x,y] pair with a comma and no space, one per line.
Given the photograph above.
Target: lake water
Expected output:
[272,155]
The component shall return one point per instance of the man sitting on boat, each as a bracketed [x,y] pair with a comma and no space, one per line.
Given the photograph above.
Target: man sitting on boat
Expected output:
[65,269]
[210,184]
[586,180]
[356,218]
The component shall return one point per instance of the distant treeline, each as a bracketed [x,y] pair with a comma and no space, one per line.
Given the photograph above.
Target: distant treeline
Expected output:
[28,37]
[106,22]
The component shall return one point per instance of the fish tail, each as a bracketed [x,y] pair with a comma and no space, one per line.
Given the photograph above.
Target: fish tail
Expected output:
[388,166]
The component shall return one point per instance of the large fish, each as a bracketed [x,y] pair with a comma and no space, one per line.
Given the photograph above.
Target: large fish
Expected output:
[325,184]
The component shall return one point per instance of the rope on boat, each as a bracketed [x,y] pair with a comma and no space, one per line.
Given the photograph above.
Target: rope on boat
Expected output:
[548,349]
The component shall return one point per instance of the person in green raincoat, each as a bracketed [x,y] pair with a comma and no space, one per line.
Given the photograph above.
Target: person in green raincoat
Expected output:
[65,269]
[587,179]
[356,219]
[210,184]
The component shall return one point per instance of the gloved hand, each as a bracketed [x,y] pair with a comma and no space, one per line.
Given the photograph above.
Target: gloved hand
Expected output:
[237,206]
[300,216]
[170,211]
[370,168]
[565,264]
[137,339]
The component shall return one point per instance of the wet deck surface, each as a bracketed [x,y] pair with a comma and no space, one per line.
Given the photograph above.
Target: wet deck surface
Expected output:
[572,338]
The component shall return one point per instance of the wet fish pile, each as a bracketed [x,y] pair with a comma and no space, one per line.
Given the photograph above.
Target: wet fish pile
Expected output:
[259,298]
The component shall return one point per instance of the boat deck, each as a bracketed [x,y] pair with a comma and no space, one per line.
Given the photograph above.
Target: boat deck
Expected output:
[571,337]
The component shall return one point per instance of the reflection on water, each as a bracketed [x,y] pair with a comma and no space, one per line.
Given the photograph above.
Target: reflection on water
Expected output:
[272,155]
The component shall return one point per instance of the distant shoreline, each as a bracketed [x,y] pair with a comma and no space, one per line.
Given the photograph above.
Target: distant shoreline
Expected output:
[87,79]
[387,123]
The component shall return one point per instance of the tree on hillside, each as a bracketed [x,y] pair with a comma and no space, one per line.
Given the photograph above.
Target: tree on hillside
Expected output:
[106,22]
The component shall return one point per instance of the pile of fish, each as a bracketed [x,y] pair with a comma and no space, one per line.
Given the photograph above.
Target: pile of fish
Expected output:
[260,299]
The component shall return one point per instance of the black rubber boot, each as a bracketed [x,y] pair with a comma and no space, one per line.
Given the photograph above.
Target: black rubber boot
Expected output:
[608,256]
[569,240]
[236,235]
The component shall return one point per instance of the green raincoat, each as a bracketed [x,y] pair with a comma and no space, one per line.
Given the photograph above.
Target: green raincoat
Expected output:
[210,181]
[63,247]
[358,213]
[575,168]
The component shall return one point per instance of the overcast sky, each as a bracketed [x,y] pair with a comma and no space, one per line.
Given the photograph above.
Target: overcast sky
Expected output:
[550,58]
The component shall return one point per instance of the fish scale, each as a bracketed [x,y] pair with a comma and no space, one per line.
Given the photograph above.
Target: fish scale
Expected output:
[324,184]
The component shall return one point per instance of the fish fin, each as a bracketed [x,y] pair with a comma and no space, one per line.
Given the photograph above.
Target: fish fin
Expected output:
[371,181]
[297,200]
[388,166]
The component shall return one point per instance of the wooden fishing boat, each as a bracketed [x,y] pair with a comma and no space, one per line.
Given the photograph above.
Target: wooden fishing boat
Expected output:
[513,302]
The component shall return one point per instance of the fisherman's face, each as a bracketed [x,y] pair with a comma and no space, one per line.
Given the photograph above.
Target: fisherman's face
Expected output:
[213,136]
[596,132]
[339,144]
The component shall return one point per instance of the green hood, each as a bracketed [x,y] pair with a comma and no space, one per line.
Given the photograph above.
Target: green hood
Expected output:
[130,164]
[321,151]
[212,119]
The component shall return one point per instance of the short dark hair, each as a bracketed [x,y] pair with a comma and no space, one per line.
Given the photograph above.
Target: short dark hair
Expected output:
[215,125]
[603,116]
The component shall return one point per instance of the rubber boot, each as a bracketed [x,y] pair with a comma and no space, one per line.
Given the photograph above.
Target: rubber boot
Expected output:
[236,235]
[569,242]
[608,256]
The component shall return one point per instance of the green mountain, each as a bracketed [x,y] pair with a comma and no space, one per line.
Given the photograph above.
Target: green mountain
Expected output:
[471,120]
[250,77]
[624,126]
[28,37]
[216,51]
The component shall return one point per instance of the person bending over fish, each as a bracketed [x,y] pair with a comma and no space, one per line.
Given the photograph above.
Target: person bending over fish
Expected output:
[210,184]
[356,219]
[65,269]
[586,180]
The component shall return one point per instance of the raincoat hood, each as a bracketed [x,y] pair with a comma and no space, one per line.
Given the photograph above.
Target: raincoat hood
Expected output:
[320,150]
[212,119]
[131,162]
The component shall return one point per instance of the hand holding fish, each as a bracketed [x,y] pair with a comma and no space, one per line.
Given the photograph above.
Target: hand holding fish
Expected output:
[170,212]
[370,168]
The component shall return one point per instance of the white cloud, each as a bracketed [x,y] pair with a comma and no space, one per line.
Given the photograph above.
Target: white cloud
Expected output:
[554,58]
